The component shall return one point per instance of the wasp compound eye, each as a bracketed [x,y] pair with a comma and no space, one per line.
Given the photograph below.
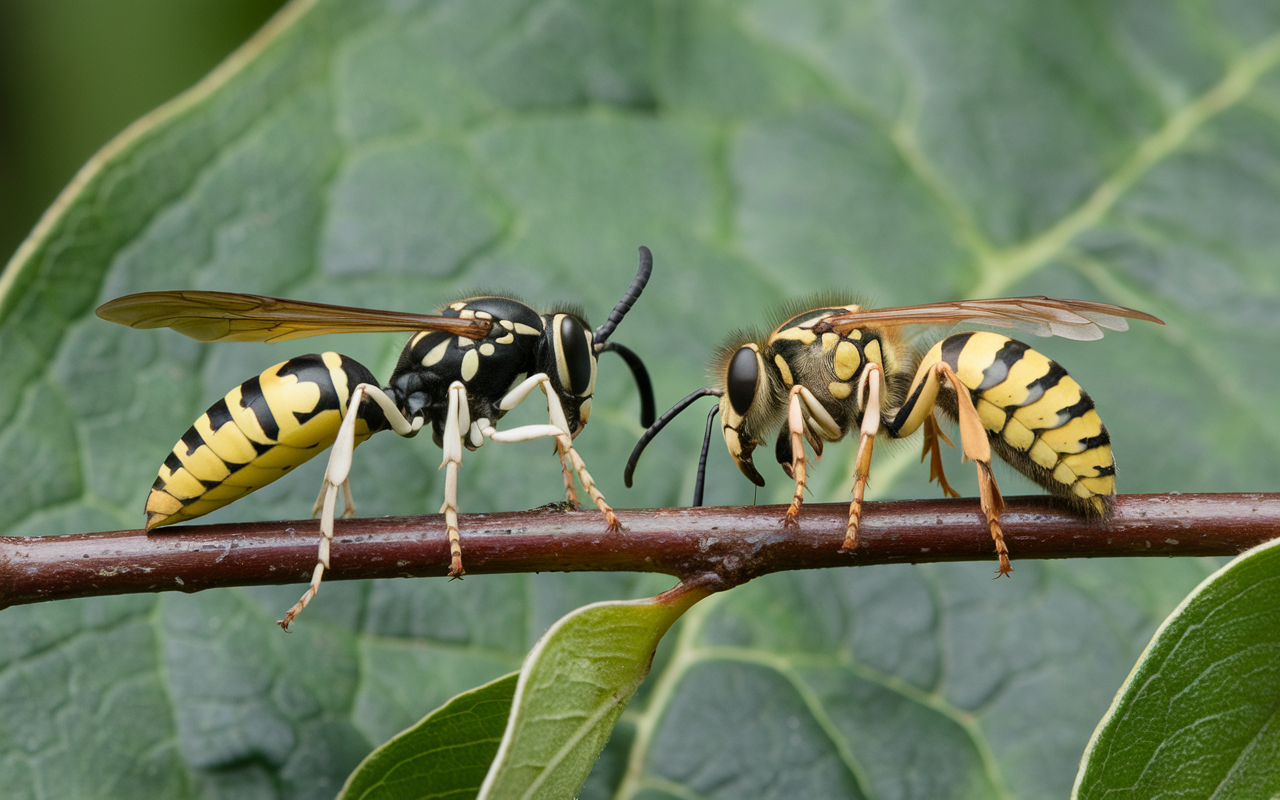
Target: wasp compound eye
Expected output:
[742,380]
[574,356]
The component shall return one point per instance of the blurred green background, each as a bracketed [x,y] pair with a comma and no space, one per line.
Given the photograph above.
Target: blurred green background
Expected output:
[74,73]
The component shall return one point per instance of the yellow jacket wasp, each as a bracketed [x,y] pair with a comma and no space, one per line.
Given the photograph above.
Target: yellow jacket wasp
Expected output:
[827,370]
[460,372]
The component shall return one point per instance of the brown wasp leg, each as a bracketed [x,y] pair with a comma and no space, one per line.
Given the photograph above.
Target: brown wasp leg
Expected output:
[869,396]
[559,430]
[932,433]
[566,471]
[336,475]
[614,525]
[977,448]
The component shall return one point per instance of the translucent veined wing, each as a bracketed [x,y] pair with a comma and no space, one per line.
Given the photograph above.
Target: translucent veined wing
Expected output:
[1042,316]
[231,317]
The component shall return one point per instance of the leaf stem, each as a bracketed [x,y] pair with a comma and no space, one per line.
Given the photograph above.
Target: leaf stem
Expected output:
[716,547]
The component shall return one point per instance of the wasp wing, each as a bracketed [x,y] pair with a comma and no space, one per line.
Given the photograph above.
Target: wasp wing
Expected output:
[231,317]
[1042,316]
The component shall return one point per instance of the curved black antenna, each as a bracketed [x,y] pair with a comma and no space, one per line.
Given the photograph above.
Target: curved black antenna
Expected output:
[702,459]
[640,374]
[657,427]
[628,299]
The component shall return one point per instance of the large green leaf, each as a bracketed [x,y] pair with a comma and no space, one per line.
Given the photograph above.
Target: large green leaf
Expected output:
[1197,716]
[397,155]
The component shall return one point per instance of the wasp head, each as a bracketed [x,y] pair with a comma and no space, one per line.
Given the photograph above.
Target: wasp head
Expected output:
[753,403]
[567,355]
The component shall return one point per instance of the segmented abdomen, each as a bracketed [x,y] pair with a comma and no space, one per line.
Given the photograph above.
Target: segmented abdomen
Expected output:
[1038,417]
[258,432]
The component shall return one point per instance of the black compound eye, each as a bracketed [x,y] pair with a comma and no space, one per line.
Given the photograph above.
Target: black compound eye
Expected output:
[743,377]
[574,356]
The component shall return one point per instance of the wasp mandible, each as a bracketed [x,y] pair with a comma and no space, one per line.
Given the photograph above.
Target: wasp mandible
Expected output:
[827,370]
[460,372]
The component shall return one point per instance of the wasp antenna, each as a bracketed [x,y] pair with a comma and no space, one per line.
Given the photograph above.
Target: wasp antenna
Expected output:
[702,459]
[628,299]
[657,427]
[641,375]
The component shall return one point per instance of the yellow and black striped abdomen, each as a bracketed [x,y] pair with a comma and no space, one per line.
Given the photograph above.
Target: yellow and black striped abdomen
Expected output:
[258,432]
[1039,419]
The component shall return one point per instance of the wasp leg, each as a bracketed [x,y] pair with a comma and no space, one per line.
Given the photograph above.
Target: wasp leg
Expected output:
[566,472]
[977,448]
[799,464]
[558,429]
[348,502]
[973,439]
[806,418]
[457,419]
[932,433]
[869,393]
[336,475]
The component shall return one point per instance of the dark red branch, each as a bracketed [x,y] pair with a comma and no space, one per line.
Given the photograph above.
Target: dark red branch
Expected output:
[732,545]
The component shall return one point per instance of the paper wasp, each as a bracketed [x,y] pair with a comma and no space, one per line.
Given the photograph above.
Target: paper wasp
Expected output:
[460,372]
[827,370]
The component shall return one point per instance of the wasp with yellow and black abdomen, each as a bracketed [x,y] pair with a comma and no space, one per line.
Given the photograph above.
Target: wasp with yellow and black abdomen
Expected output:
[829,368]
[460,372]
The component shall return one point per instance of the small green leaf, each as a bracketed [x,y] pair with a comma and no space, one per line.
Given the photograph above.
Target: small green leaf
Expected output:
[1199,715]
[445,755]
[574,686]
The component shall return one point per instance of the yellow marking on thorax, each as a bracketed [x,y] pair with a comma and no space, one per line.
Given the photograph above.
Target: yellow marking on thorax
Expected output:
[436,353]
[470,365]
[872,350]
[839,390]
[802,335]
[781,363]
[847,360]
